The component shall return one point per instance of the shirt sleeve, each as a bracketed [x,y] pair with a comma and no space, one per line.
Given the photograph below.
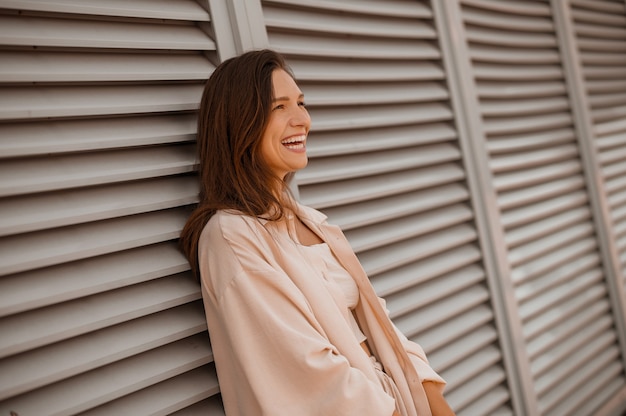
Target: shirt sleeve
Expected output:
[417,356]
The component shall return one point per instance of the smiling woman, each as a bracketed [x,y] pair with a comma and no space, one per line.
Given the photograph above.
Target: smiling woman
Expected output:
[295,325]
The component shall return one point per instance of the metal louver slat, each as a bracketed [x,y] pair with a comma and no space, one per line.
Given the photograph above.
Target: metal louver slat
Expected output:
[50,137]
[97,101]
[78,33]
[40,327]
[41,102]
[73,67]
[55,246]
[37,288]
[385,164]
[57,172]
[115,380]
[168,396]
[39,367]
[160,9]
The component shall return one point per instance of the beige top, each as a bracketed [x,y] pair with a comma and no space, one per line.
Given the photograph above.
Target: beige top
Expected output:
[335,274]
[278,345]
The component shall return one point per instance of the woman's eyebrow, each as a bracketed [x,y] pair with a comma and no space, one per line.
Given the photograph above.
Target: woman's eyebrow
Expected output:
[301,96]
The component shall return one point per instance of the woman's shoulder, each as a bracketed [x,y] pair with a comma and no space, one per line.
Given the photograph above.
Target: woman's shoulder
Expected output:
[229,225]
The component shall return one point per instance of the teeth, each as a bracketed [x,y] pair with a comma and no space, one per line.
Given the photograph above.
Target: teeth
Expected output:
[294,139]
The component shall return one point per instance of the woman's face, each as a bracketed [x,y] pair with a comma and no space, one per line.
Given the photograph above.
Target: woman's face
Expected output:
[283,145]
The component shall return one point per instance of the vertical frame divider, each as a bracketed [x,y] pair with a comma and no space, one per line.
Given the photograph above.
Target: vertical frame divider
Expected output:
[596,190]
[466,107]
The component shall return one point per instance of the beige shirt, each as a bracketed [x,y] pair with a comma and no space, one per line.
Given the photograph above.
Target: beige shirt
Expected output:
[279,345]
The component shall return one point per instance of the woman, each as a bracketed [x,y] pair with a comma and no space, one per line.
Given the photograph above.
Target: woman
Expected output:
[295,325]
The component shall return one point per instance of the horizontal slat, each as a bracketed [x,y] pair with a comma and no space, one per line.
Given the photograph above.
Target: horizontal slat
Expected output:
[436,313]
[494,402]
[519,56]
[52,363]
[610,133]
[395,230]
[39,327]
[24,214]
[584,30]
[490,36]
[516,8]
[560,372]
[540,192]
[57,136]
[556,278]
[542,209]
[396,8]
[42,287]
[432,267]
[399,254]
[520,90]
[114,380]
[602,71]
[74,33]
[376,163]
[352,47]
[519,107]
[88,169]
[448,332]
[608,114]
[614,156]
[410,299]
[365,70]
[330,20]
[509,20]
[523,178]
[373,93]
[155,9]
[541,347]
[600,6]
[521,142]
[395,206]
[548,225]
[541,246]
[606,85]
[617,18]
[607,100]
[471,354]
[27,103]
[46,248]
[558,317]
[528,159]
[345,118]
[504,72]
[355,190]
[552,261]
[100,67]
[482,386]
[332,143]
[537,307]
[603,388]
[528,125]
[167,396]
[579,379]
[601,59]
[561,351]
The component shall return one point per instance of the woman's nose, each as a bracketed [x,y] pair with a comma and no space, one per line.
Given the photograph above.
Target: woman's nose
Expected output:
[301,118]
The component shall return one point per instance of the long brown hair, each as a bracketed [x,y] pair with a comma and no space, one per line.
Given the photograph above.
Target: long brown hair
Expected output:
[234,112]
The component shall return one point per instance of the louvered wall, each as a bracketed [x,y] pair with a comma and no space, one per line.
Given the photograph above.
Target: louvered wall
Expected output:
[385,165]
[98,313]
[552,250]
[600,27]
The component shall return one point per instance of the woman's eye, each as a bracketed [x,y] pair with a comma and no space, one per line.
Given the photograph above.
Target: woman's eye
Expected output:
[279,107]
[302,104]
